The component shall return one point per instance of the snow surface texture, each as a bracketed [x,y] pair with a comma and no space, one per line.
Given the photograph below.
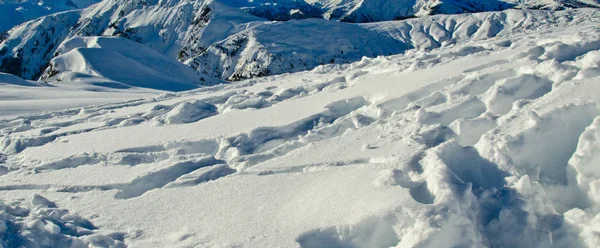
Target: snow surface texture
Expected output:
[19,96]
[234,40]
[40,223]
[484,143]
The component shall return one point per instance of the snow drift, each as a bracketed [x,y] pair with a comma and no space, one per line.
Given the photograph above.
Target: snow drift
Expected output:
[130,63]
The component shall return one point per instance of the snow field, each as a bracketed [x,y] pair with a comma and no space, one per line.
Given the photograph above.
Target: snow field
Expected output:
[491,143]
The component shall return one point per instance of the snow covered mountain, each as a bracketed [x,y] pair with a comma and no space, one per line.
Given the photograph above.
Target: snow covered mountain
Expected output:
[223,41]
[486,134]
[28,48]
[234,40]
[384,10]
[276,48]
[14,12]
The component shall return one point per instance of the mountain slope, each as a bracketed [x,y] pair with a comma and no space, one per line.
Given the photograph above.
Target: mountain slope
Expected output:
[176,26]
[230,44]
[382,10]
[275,48]
[14,12]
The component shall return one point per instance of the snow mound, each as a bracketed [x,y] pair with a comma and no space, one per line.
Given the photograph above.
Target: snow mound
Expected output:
[191,111]
[40,223]
[131,63]
[9,79]
[584,160]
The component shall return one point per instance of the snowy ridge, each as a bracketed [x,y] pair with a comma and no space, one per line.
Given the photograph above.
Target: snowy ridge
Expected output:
[278,48]
[486,143]
[282,10]
[29,47]
[192,33]
[382,10]
[132,64]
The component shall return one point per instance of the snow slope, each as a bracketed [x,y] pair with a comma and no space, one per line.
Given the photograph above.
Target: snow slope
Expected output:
[172,28]
[276,48]
[483,143]
[14,12]
[18,96]
[131,63]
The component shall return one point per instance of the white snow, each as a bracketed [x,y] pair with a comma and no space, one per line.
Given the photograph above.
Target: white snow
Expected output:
[18,96]
[234,40]
[131,64]
[491,139]
[39,223]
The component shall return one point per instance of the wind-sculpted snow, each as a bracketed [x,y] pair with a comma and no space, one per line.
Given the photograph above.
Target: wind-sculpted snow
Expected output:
[40,223]
[131,63]
[490,140]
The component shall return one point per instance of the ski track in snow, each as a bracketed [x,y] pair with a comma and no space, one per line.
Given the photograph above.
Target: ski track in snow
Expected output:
[490,143]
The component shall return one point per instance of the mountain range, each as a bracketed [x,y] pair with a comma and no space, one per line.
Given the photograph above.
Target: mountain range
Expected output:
[234,40]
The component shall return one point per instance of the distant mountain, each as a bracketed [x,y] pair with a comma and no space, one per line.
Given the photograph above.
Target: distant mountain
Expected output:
[234,40]
[14,12]
[385,10]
